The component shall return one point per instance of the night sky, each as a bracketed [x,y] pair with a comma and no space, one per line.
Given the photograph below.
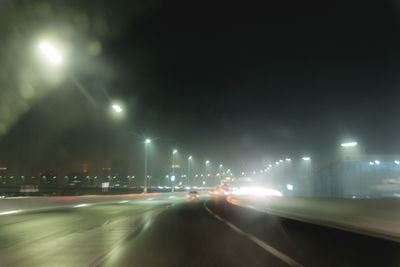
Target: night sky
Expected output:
[238,83]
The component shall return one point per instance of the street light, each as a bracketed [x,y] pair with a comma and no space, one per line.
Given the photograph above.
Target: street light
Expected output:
[306,158]
[117,108]
[173,169]
[146,142]
[50,52]
[189,160]
[288,159]
[349,144]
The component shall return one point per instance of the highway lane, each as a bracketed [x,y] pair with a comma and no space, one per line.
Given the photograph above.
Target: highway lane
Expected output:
[171,231]
[35,203]
[188,235]
[74,231]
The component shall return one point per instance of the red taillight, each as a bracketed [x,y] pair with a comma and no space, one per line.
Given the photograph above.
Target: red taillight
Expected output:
[188,195]
[197,196]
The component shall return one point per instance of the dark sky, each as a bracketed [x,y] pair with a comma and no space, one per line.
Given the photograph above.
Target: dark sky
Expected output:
[231,82]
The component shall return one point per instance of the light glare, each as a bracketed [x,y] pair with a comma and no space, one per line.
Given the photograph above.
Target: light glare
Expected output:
[117,108]
[350,144]
[50,52]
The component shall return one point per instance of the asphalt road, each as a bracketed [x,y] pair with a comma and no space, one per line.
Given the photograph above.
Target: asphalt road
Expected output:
[171,231]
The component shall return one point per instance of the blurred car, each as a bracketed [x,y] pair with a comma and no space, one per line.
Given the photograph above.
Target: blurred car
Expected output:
[193,194]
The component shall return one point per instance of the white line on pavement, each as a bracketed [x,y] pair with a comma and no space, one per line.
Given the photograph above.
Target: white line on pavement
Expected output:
[258,241]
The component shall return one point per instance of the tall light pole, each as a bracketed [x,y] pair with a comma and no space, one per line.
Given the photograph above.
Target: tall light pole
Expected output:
[308,182]
[173,170]
[146,144]
[206,169]
[188,172]
[221,166]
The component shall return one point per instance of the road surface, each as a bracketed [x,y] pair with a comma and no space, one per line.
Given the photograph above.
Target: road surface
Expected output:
[168,230]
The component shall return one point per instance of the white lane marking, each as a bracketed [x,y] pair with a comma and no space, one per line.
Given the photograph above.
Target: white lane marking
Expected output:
[123,201]
[258,241]
[9,212]
[171,196]
[81,205]
[105,223]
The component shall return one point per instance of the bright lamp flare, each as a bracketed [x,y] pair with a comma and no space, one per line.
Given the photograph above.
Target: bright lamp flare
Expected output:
[306,158]
[350,144]
[148,141]
[117,108]
[50,52]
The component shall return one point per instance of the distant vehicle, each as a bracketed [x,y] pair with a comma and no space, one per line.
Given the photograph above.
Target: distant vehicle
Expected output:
[193,194]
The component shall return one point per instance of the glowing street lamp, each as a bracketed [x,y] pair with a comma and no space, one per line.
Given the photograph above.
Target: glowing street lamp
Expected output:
[117,108]
[349,144]
[50,52]
[306,158]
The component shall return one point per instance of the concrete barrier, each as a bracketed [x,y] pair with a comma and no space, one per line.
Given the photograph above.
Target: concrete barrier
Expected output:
[375,217]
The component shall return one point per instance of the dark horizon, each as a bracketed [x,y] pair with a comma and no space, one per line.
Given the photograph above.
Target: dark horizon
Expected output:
[237,84]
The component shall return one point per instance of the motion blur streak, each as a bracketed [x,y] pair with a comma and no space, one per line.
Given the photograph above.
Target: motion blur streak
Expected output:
[9,212]
[81,205]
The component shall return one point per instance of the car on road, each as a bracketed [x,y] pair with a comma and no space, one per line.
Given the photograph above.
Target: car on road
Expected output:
[193,194]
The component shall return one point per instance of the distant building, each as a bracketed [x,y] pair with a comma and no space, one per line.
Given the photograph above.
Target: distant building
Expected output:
[371,176]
